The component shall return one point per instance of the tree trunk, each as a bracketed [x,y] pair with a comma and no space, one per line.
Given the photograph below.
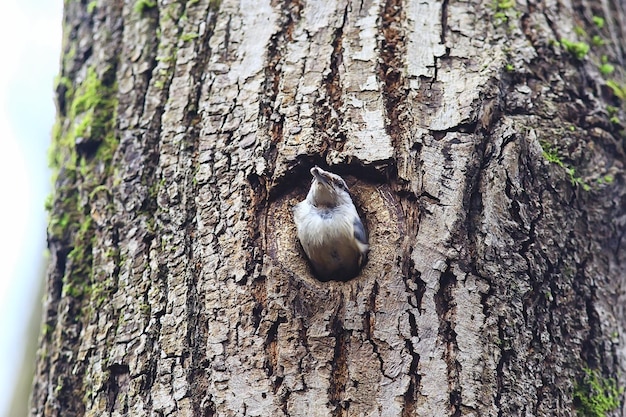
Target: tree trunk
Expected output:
[482,142]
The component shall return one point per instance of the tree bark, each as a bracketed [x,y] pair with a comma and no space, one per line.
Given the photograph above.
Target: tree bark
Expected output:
[482,142]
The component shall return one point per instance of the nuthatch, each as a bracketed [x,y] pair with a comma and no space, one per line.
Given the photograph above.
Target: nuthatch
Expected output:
[329,228]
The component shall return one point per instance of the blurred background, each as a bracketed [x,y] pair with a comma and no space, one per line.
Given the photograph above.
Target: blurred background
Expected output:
[30,45]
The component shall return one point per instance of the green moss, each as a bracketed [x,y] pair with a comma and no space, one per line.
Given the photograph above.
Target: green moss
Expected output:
[83,139]
[97,189]
[83,127]
[167,59]
[68,58]
[91,6]
[606,69]
[618,89]
[595,396]
[153,189]
[551,154]
[607,179]
[54,152]
[107,148]
[188,36]
[504,4]
[48,203]
[578,49]
[100,293]
[598,21]
[580,31]
[503,11]
[141,6]
[151,225]
[77,284]
[63,81]
[576,180]
[59,386]
[91,117]
[597,40]
[145,309]
[58,225]
[87,97]
[90,94]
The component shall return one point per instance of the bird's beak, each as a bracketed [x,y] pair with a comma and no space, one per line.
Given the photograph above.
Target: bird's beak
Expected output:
[320,175]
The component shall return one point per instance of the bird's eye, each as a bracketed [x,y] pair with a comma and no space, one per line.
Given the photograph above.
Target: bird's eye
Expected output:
[340,184]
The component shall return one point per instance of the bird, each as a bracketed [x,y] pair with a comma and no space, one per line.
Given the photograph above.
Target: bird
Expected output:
[329,228]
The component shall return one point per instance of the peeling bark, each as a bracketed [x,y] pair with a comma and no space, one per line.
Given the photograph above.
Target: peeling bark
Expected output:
[486,159]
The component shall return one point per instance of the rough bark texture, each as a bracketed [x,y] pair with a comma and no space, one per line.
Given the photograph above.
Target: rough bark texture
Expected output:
[487,160]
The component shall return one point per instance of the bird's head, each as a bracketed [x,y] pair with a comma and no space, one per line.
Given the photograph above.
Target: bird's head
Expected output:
[328,189]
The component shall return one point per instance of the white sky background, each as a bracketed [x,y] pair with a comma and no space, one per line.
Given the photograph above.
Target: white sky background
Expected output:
[30,43]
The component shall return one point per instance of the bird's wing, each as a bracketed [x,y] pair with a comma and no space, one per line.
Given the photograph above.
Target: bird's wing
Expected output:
[359,231]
